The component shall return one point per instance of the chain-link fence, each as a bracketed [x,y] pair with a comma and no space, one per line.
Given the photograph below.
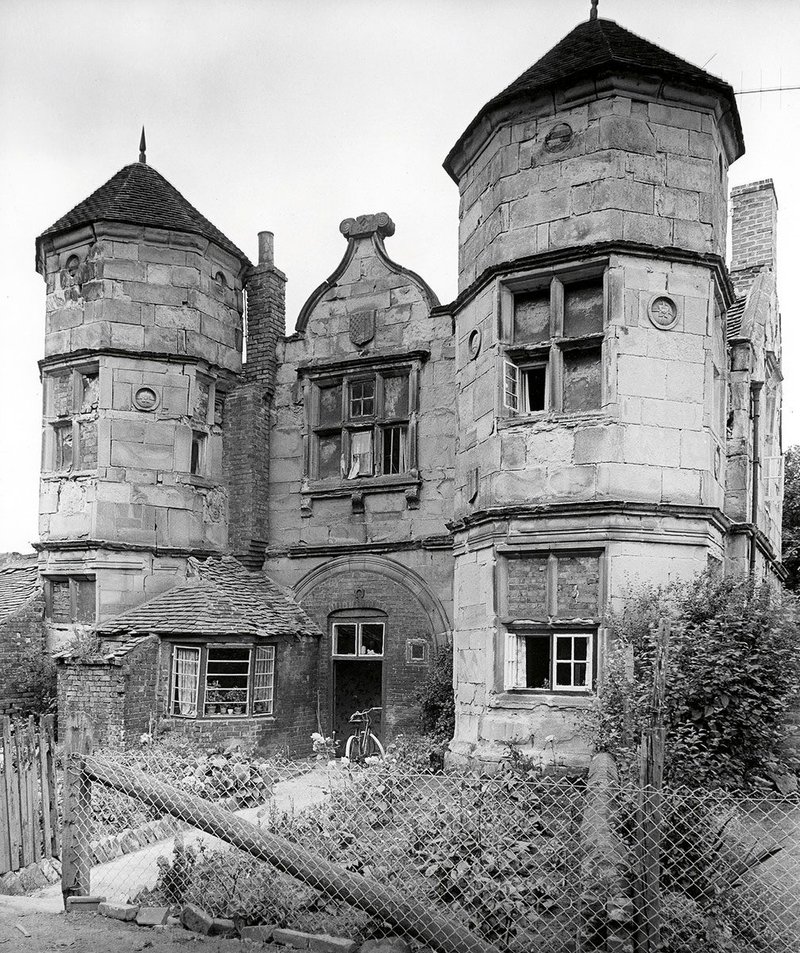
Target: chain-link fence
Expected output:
[450,861]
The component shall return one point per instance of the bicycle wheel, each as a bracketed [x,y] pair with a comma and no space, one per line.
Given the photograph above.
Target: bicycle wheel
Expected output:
[352,750]
[374,748]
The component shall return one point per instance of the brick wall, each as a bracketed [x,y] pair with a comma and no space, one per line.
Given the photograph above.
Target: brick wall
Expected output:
[97,690]
[140,670]
[18,636]
[753,232]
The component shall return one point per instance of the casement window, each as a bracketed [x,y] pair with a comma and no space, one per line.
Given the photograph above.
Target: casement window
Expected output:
[70,599]
[553,355]
[71,399]
[361,425]
[550,604]
[556,661]
[358,639]
[222,681]
[197,463]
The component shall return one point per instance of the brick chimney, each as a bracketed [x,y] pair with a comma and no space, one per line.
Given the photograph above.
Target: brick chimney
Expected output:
[249,406]
[753,232]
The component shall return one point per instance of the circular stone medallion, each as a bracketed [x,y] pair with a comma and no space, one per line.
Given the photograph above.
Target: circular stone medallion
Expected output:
[663,312]
[558,138]
[474,343]
[145,398]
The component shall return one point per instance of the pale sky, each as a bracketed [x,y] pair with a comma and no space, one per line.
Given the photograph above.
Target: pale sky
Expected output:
[291,115]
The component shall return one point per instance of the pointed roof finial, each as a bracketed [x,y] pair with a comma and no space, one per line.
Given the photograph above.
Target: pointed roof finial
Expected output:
[143,148]
[593,13]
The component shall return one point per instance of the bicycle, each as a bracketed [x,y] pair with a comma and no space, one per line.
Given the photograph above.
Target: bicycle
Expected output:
[363,744]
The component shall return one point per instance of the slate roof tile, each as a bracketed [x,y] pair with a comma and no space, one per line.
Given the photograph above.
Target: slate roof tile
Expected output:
[139,195]
[18,585]
[221,597]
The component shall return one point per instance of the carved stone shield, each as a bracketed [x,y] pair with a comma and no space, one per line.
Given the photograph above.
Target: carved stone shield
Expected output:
[362,327]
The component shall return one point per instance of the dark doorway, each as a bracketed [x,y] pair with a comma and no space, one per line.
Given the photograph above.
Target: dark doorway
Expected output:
[356,685]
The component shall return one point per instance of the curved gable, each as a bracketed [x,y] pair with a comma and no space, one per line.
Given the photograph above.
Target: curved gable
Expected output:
[368,297]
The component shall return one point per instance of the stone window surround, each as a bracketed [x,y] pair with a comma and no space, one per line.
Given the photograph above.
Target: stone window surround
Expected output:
[72,420]
[73,579]
[507,629]
[311,376]
[202,647]
[548,353]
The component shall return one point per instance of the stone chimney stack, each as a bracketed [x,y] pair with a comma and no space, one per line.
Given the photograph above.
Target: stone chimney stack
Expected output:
[753,232]
[249,408]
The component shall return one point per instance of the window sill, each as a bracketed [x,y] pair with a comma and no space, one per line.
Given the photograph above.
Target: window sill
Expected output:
[550,417]
[319,489]
[195,479]
[536,698]
[211,719]
[67,474]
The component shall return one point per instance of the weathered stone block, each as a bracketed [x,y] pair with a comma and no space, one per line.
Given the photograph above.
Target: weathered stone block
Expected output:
[222,926]
[294,938]
[118,911]
[258,934]
[196,919]
[151,916]
[627,133]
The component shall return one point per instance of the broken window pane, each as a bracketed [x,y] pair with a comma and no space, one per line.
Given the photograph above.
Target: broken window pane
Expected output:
[62,395]
[360,454]
[330,456]
[85,600]
[344,639]
[394,450]
[537,660]
[362,398]
[532,317]
[371,642]
[62,436]
[87,437]
[203,397]
[90,391]
[583,308]
[395,397]
[582,379]
[197,464]
[534,388]
[330,405]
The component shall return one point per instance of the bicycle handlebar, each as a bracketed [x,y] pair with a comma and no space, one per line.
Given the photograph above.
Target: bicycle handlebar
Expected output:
[361,715]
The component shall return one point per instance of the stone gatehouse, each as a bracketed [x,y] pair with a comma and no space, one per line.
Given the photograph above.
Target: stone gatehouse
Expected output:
[600,405]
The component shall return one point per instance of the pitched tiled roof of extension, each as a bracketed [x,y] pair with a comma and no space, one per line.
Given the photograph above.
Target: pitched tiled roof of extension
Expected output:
[733,319]
[138,195]
[598,46]
[18,585]
[221,597]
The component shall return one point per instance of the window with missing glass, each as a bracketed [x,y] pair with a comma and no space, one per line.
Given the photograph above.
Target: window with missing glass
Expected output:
[71,412]
[70,599]
[358,639]
[222,681]
[552,360]
[361,425]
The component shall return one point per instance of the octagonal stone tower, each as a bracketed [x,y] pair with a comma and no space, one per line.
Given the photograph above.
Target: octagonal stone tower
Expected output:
[592,369]
[143,341]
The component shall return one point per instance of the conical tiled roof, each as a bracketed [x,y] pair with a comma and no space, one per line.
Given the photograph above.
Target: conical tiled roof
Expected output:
[598,46]
[138,195]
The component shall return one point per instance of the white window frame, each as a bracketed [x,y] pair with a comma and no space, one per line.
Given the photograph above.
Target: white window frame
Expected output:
[357,623]
[173,701]
[515,660]
[264,679]
[248,685]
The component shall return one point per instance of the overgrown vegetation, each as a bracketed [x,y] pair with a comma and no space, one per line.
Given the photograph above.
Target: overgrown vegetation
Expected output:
[791,517]
[732,674]
[36,681]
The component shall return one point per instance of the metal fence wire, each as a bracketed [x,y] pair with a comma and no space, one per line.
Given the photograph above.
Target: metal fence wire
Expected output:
[449,861]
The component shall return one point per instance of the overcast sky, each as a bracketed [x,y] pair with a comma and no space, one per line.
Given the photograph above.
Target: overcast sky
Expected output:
[291,115]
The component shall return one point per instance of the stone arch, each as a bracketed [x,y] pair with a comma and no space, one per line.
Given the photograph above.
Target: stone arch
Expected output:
[416,586]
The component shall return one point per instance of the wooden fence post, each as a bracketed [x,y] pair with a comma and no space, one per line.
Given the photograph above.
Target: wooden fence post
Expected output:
[649,815]
[12,797]
[75,860]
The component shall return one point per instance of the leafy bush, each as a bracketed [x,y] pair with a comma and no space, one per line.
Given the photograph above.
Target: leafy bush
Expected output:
[436,699]
[36,679]
[733,672]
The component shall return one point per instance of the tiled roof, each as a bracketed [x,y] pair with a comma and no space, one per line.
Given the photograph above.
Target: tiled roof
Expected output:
[597,46]
[139,195]
[734,317]
[220,598]
[18,585]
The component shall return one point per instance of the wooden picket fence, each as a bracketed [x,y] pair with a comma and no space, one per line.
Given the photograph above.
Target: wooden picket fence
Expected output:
[29,827]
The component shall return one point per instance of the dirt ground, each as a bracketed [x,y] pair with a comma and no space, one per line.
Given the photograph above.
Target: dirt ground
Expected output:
[90,933]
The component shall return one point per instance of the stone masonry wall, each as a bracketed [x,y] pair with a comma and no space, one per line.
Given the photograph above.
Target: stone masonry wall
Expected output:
[632,170]
[20,635]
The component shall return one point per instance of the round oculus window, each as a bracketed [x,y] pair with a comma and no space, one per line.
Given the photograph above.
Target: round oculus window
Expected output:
[474,343]
[559,137]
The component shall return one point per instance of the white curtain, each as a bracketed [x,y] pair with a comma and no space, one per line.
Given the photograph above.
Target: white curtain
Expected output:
[187,669]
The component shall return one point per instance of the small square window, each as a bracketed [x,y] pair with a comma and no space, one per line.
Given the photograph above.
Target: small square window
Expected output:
[582,379]
[330,455]
[394,450]
[344,639]
[416,651]
[198,460]
[360,454]
[532,317]
[533,388]
[371,639]
[583,308]
[362,398]
[330,405]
